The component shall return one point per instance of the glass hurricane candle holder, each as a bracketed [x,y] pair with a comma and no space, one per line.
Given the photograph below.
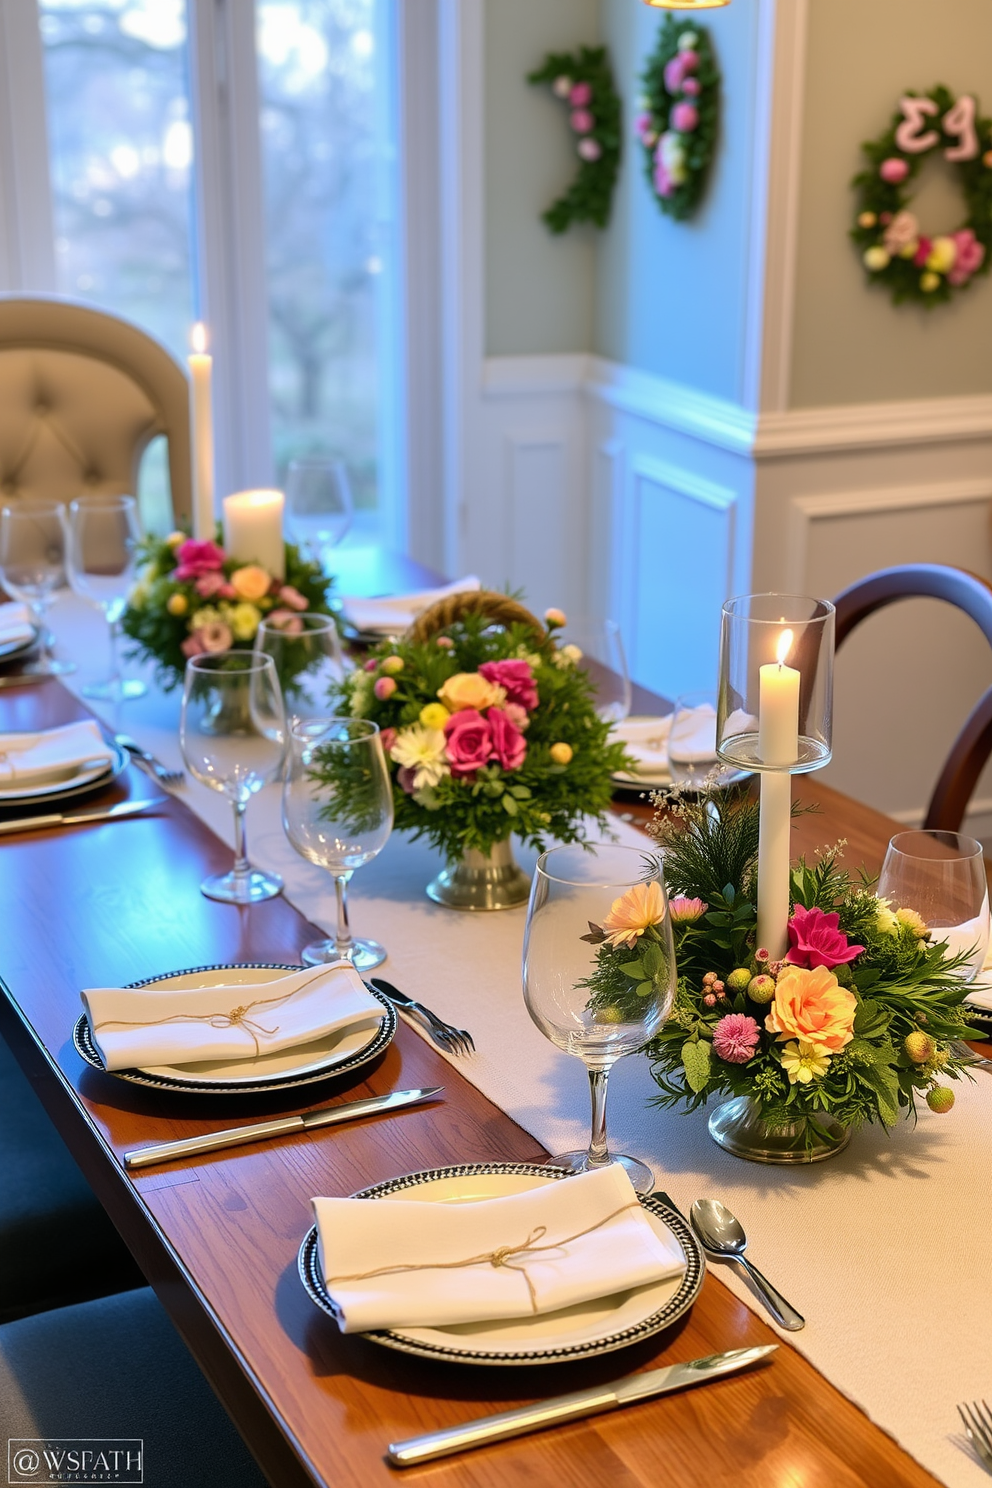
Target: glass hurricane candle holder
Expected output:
[774,709]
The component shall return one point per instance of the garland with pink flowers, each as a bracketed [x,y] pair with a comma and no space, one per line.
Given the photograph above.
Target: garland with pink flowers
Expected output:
[679,118]
[583,80]
[894,250]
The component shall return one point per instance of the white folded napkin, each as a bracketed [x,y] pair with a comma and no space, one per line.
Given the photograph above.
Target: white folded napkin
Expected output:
[142,1026]
[692,738]
[551,1247]
[647,740]
[396,612]
[16,624]
[42,758]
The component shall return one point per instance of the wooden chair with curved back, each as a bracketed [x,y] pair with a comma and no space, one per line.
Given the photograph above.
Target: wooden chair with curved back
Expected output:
[82,394]
[966,591]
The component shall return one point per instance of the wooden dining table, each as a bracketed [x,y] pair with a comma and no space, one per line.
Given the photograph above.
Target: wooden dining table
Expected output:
[218,1237]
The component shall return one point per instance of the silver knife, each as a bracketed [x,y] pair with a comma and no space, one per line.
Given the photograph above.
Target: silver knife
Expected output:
[626,1391]
[71,818]
[234,1136]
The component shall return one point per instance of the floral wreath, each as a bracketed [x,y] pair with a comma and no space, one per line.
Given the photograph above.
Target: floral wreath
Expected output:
[893,249]
[584,81]
[679,118]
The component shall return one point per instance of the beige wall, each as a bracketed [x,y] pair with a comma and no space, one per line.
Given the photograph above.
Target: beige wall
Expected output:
[850,343]
[540,290]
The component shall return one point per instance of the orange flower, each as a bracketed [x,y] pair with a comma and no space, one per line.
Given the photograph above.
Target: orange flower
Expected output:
[813,1007]
[470,690]
[633,913]
[250,582]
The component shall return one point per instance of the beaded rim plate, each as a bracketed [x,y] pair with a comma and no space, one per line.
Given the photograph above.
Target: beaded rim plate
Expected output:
[92,779]
[336,1055]
[581,1332]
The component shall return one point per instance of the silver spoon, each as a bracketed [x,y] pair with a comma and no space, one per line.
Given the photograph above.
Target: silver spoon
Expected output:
[723,1235]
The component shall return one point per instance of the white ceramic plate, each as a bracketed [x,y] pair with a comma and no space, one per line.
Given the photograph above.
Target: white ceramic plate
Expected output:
[300,1064]
[580,1332]
[11,650]
[72,778]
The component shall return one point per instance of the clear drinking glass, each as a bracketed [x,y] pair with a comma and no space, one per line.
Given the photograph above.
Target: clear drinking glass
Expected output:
[339,817]
[319,506]
[574,890]
[308,659]
[942,876]
[604,658]
[32,567]
[104,533]
[233,736]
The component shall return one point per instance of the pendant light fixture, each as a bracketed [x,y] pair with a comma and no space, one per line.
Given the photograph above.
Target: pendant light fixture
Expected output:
[686,4]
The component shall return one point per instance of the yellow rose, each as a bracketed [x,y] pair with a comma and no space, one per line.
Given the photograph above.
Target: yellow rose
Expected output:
[812,1007]
[250,582]
[929,282]
[469,690]
[434,716]
[561,753]
[177,604]
[244,620]
[175,539]
[943,252]
[876,258]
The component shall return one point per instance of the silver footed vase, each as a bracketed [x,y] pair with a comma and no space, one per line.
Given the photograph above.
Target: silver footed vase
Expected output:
[739,1127]
[481,881]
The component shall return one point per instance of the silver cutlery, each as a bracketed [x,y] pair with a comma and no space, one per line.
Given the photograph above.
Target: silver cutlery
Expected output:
[153,766]
[562,1408]
[447,1037]
[258,1131]
[977,1419]
[723,1235]
[78,818]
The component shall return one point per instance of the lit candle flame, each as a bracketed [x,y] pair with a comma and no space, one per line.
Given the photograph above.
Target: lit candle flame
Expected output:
[784,646]
[198,338]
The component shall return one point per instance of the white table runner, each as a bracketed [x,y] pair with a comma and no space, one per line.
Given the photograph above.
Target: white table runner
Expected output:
[884,1249]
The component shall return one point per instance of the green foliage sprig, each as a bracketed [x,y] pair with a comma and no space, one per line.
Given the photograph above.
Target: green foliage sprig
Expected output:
[677,161]
[590,196]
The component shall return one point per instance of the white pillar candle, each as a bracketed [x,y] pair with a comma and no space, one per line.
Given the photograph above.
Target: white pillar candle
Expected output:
[201,418]
[778,744]
[253,529]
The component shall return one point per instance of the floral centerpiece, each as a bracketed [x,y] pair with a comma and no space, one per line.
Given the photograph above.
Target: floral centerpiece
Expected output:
[489,727]
[858,1020]
[191,597]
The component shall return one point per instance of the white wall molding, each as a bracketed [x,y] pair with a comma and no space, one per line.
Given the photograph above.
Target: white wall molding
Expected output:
[807,431]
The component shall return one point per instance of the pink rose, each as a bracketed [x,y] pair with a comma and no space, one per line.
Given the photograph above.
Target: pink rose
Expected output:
[970,257]
[894,170]
[923,253]
[735,1038]
[209,583]
[470,742]
[582,121]
[589,149]
[678,69]
[516,680]
[227,591]
[817,940]
[692,87]
[509,744]
[292,597]
[518,716]
[388,737]
[580,95]
[195,558]
[192,645]
[685,117]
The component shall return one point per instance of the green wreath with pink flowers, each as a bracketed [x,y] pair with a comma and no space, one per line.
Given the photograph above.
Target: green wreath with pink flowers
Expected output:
[896,253]
[679,118]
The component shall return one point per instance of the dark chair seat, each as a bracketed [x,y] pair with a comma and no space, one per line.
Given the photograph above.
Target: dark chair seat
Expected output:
[116,1368]
[45,1205]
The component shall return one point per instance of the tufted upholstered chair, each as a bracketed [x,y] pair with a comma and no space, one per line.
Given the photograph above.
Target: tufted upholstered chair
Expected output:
[81,395]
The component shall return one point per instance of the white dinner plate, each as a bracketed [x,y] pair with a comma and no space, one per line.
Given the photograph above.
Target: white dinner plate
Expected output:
[580,1332]
[78,782]
[12,650]
[301,1064]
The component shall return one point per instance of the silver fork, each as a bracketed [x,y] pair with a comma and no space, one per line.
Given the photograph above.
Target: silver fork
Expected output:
[453,1040]
[154,767]
[977,1419]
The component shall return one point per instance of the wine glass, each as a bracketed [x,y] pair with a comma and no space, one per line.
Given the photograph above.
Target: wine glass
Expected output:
[308,660]
[233,736]
[104,533]
[942,876]
[593,913]
[337,809]
[604,658]
[319,506]
[692,756]
[32,567]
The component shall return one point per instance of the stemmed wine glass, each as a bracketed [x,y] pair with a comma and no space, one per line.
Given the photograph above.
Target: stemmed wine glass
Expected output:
[233,736]
[32,567]
[592,913]
[605,659]
[319,505]
[337,809]
[104,533]
[942,876]
[308,659]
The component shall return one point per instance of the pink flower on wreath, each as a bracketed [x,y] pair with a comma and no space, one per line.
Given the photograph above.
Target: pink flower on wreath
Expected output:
[663,183]
[516,680]
[735,1038]
[582,121]
[509,744]
[589,149]
[469,742]
[194,558]
[817,940]
[293,597]
[685,117]
[692,87]
[644,124]
[192,645]
[970,257]
[678,69]
[894,170]
[209,583]
[923,253]
[580,95]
